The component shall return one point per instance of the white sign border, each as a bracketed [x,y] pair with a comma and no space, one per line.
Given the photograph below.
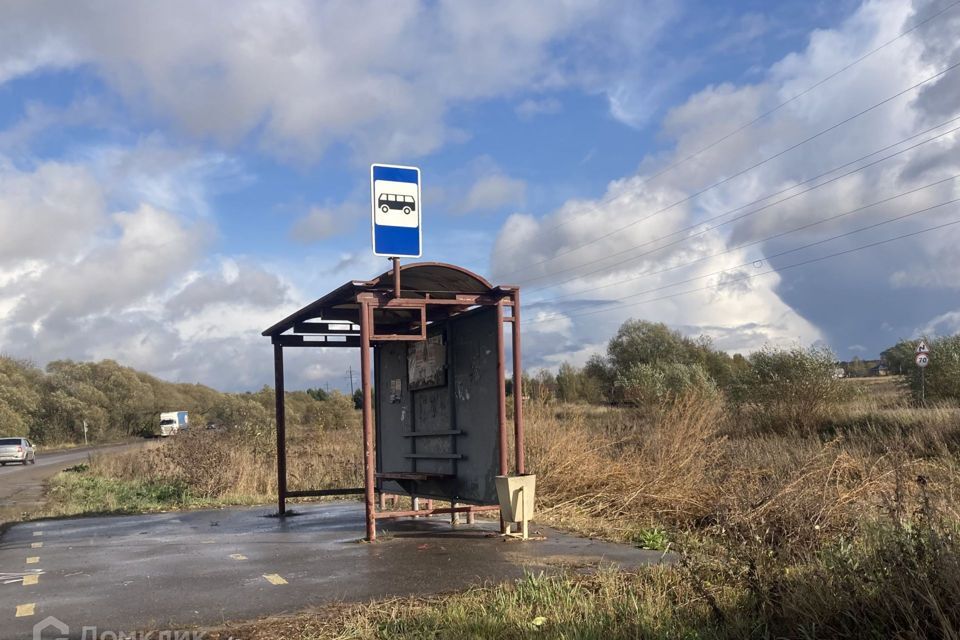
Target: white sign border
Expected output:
[373,211]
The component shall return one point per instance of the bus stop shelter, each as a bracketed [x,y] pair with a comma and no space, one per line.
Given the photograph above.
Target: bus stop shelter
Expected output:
[432,368]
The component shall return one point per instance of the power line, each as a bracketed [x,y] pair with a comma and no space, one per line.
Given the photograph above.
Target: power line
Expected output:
[771,111]
[742,207]
[743,171]
[751,276]
[751,243]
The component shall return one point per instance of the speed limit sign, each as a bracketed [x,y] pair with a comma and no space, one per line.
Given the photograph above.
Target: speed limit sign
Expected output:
[922,360]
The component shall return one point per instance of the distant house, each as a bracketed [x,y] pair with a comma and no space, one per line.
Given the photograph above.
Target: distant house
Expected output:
[857,368]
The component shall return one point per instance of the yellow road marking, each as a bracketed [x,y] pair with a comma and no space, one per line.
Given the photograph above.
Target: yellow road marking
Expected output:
[273,578]
[24,610]
[33,559]
[37,533]
[36,545]
[29,581]
[238,556]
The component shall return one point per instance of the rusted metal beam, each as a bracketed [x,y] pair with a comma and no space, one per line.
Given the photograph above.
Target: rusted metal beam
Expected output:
[413,475]
[317,493]
[281,419]
[441,510]
[517,385]
[383,301]
[368,460]
[398,337]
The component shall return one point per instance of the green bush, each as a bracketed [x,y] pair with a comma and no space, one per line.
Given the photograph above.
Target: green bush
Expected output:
[651,384]
[788,388]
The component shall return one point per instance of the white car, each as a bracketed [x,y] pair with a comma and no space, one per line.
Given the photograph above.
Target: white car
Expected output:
[17,450]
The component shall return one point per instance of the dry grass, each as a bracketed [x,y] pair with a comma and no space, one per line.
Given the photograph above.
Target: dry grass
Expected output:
[693,467]
[208,468]
[625,470]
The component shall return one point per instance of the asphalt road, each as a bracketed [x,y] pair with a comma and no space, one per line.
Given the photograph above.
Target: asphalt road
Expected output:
[175,571]
[21,487]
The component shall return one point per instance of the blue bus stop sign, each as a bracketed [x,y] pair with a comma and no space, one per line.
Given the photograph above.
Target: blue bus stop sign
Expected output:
[396,211]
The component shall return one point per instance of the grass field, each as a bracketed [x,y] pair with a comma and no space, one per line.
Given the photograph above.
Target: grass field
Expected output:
[844,527]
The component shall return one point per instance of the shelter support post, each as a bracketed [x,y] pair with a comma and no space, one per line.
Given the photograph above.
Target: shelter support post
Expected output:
[281,431]
[501,401]
[517,384]
[396,277]
[368,461]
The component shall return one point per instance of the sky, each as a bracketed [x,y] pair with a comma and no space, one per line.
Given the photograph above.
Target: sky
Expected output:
[177,176]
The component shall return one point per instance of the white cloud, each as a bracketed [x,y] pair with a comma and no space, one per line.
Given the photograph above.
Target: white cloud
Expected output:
[303,76]
[176,178]
[492,192]
[244,282]
[618,236]
[51,210]
[152,247]
[944,324]
[81,280]
[23,51]
[322,223]
[532,107]
[40,118]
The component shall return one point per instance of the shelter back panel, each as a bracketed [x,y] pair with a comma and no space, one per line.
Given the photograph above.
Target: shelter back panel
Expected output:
[445,423]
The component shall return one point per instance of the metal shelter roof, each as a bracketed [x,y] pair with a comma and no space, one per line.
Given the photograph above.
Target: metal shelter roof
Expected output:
[419,281]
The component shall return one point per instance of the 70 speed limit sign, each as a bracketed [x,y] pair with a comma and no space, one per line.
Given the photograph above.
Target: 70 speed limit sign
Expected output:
[922,360]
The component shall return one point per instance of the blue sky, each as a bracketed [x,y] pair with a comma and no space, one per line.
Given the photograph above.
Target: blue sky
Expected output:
[174,177]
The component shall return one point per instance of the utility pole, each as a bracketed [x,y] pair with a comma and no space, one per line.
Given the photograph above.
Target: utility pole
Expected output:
[350,375]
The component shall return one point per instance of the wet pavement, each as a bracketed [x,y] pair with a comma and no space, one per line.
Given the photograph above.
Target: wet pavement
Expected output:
[185,569]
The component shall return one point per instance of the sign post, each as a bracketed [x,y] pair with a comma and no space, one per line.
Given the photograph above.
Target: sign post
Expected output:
[923,359]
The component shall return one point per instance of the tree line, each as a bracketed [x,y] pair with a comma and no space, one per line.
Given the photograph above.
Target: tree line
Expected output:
[648,363]
[51,405]
[645,363]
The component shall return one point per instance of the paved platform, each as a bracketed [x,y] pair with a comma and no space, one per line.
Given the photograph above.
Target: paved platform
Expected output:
[180,570]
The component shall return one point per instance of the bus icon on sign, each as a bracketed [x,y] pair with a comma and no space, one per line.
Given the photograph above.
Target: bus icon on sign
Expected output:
[388,201]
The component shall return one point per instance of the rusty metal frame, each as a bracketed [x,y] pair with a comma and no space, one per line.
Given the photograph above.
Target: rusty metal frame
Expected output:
[316,331]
